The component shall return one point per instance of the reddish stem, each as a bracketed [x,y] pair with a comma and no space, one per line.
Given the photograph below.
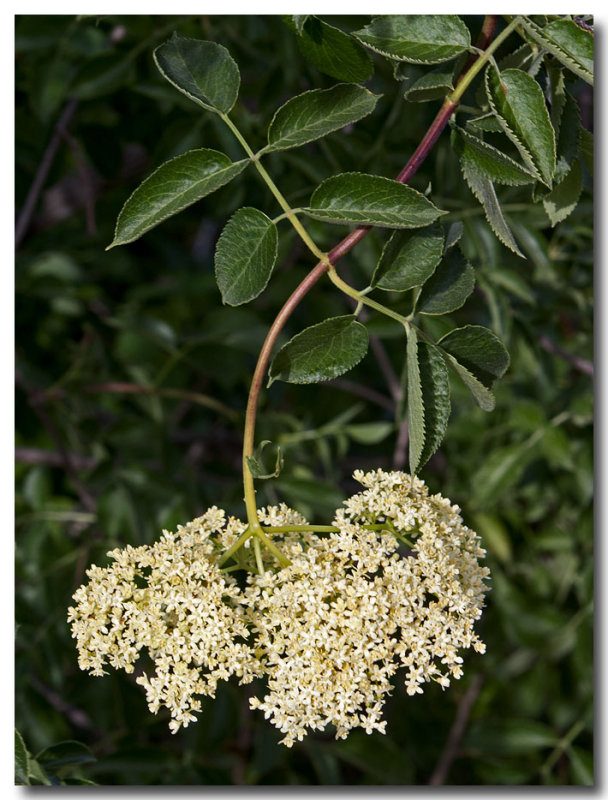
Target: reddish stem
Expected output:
[343,247]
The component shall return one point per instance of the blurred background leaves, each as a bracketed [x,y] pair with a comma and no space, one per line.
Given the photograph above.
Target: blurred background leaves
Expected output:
[131,386]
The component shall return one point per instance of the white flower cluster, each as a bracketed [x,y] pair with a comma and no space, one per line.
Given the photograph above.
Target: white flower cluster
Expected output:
[327,632]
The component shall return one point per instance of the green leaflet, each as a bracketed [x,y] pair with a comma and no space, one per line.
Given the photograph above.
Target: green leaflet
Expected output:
[518,102]
[175,185]
[419,38]
[255,464]
[299,20]
[586,146]
[487,160]
[569,43]
[22,761]
[428,399]
[484,191]
[321,352]
[330,50]
[563,199]
[449,286]
[203,71]
[353,197]
[245,256]
[409,258]
[433,85]
[314,114]
[568,138]
[479,358]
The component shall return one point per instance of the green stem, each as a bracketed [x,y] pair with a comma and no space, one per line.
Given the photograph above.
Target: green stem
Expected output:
[258,555]
[480,62]
[247,533]
[321,528]
[362,299]
[326,261]
[287,209]
[281,558]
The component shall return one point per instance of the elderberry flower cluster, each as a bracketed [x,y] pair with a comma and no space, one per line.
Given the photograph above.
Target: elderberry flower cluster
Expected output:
[397,584]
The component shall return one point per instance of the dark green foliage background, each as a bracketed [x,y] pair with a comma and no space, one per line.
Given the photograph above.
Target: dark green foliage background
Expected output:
[150,315]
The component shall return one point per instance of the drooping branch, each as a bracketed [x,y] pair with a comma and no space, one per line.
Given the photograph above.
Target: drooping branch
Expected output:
[340,250]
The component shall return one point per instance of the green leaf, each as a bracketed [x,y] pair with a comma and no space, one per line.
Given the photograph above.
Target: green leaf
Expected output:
[428,399]
[369,432]
[586,146]
[245,256]
[433,85]
[418,38]
[332,51]
[299,20]
[453,235]
[486,122]
[415,402]
[175,185]
[255,462]
[568,138]
[494,536]
[22,761]
[479,357]
[321,352]
[484,191]
[581,762]
[570,44]
[563,199]
[203,71]
[65,754]
[409,258]
[314,114]
[501,471]
[486,160]
[518,102]
[353,197]
[449,286]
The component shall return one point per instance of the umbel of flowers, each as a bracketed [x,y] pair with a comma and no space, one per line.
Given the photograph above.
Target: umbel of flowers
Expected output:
[394,585]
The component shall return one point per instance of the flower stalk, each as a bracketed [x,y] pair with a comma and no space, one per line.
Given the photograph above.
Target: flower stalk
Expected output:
[327,261]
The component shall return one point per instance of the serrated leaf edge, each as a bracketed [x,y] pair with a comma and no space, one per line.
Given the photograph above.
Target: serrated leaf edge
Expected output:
[415,463]
[243,163]
[272,147]
[310,211]
[272,378]
[494,151]
[414,60]
[179,88]
[512,245]
[274,259]
[536,33]
[523,150]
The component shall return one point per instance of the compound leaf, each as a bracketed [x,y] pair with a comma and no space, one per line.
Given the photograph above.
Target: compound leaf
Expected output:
[245,256]
[418,38]
[321,352]
[175,185]
[353,197]
[203,71]
[314,114]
